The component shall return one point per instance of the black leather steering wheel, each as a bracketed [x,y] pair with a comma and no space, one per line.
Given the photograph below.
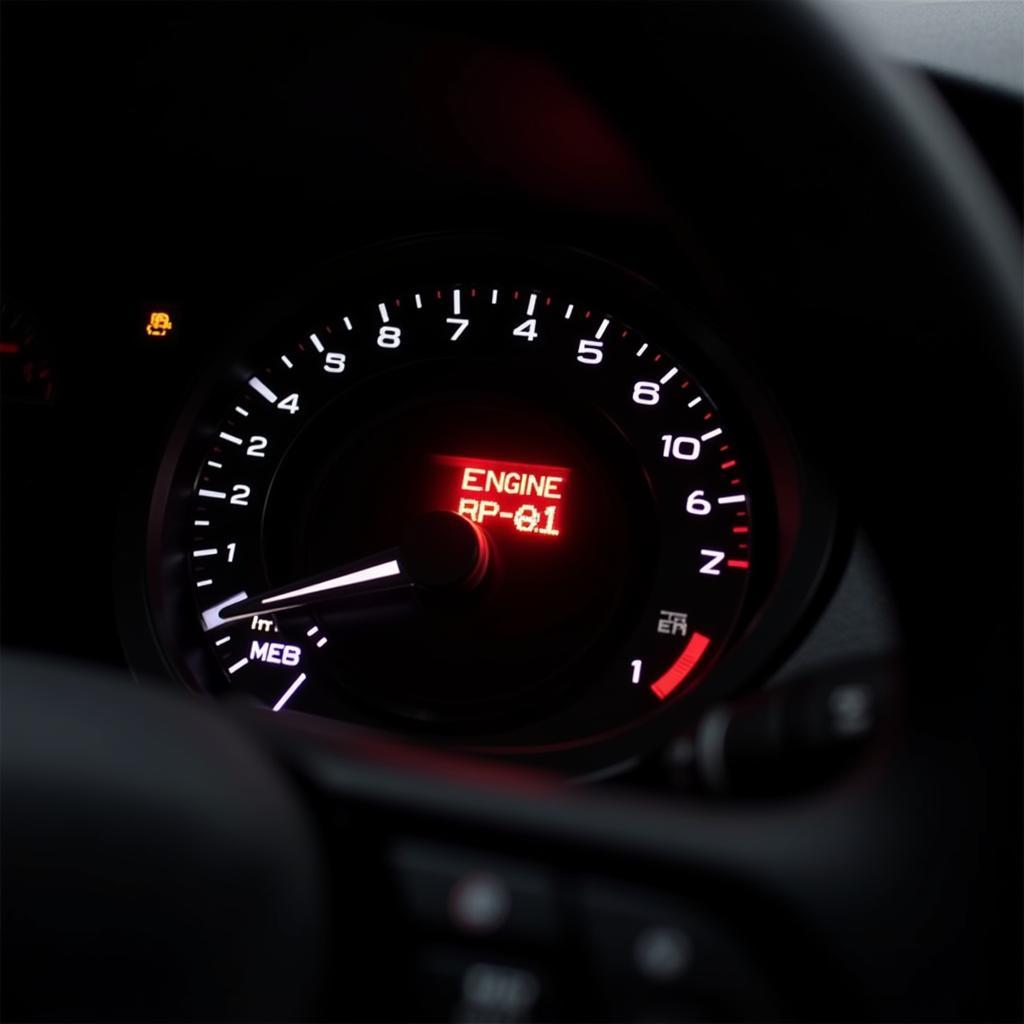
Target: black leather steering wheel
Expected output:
[144,837]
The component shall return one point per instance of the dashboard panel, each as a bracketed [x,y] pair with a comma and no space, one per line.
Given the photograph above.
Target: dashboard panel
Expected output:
[457,460]
[504,513]
[703,532]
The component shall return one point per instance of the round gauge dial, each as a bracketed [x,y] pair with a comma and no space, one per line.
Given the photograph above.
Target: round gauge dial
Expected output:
[485,508]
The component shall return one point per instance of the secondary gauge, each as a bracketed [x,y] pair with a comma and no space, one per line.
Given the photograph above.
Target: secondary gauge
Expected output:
[481,502]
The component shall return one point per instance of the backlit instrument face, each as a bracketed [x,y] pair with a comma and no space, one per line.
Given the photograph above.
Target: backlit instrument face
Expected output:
[479,506]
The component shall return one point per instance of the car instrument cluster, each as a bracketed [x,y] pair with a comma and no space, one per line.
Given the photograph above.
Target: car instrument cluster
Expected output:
[460,492]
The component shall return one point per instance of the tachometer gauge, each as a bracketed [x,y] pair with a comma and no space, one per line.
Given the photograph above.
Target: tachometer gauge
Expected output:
[466,498]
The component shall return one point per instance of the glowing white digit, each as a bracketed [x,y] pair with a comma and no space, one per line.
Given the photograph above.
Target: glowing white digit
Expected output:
[590,352]
[527,329]
[289,404]
[389,337]
[685,448]
[646,392]
[240,494]
[334,362]
[637,667]
[462,322]
[257,446]
[697,504]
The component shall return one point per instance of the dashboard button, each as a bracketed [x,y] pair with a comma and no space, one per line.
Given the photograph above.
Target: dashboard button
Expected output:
[461,985]
[476,895]
[651,954]
[662,954]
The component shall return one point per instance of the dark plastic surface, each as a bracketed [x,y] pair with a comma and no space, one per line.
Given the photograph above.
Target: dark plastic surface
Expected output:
[156,865]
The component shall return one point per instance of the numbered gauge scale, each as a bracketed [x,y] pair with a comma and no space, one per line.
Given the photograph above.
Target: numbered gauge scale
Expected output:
[481,507]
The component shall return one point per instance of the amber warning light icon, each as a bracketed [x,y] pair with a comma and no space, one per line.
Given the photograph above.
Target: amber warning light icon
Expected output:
[524,497]
[159,324]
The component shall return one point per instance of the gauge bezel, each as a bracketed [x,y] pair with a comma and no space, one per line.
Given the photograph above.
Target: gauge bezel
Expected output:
[803,518]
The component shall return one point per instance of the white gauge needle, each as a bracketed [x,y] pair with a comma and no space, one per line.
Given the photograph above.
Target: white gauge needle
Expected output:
[348,579]
[365,577]
[440,551]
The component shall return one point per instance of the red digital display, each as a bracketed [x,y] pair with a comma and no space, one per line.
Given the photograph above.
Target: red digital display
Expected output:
[520,496]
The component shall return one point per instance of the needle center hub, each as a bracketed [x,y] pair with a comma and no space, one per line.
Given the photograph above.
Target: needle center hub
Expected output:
[444,551]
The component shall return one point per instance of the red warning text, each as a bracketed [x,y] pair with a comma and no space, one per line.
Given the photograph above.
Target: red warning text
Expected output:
[524,497]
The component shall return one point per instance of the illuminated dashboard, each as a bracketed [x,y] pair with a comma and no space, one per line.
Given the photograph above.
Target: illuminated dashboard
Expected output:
[399,399]
[496,499]
[604,384]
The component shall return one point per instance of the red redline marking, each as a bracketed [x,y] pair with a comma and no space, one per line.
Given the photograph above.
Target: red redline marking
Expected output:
[398,303]
[670,680]
[657,358]
[741,529]
[723,448]
[685,384]
[729,464]
[472,293]
[623,334]
[708,415]
[515,296]
[547,301]
[9,348]
[737,563]
[586,316]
